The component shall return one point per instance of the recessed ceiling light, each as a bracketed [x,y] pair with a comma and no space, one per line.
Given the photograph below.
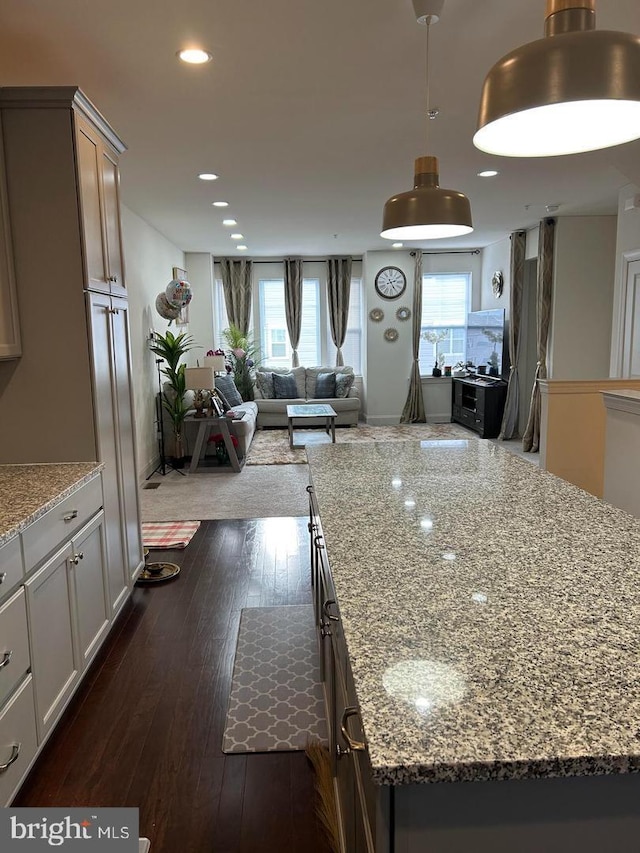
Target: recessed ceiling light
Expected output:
[242,248]
[229,222]
[397,245]
[488,173]
[237,236]
[220,203]
[208,176]
[195,56]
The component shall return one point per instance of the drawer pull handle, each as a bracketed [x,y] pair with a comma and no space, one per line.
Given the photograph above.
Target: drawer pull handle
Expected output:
[71,515]
[3,577]
[15,752]
[317,541]
[76,558]
[309,489]
[6,659]
[353,745]
[325,609]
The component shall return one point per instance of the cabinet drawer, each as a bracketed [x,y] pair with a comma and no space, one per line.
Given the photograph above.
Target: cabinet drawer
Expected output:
[60,523]
[11,565]
[17,735]
[14,644]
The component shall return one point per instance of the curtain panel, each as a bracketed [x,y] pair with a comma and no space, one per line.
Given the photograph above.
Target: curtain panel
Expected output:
[509,426]
[236,286]
[546,241]
[413,411]
[338,292]
[293,303]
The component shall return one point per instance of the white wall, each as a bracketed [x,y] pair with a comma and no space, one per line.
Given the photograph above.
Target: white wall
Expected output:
[199,267]
[627,248]
[149,259]
[388,365]
[584,264]
[496,257]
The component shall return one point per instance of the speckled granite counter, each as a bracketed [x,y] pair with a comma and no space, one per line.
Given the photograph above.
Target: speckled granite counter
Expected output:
[491,612]
[28,491]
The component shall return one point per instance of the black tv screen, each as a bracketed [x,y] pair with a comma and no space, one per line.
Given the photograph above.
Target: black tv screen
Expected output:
[486,343]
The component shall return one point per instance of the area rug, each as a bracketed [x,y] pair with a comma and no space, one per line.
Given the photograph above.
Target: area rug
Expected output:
[276,702]
[271,446]
[262,491]
[168,534]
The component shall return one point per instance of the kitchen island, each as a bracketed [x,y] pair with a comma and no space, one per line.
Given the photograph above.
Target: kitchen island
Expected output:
[486,627]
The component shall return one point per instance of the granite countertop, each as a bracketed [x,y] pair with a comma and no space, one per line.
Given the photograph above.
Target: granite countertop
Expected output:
[491,612]
[28,491]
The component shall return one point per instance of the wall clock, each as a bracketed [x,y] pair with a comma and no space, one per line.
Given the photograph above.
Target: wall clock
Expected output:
[497,284]
[390,282]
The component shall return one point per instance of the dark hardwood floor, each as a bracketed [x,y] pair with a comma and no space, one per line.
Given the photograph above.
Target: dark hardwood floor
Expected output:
[145,728]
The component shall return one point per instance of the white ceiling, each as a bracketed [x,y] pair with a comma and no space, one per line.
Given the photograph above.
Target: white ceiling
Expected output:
[312,113]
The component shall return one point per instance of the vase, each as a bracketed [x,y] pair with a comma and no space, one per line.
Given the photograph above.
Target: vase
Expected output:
[436,372]
[221,453]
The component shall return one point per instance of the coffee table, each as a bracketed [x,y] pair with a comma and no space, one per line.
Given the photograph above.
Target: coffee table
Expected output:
[309,411]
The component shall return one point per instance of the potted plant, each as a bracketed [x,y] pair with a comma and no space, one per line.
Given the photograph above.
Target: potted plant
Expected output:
[171,348]
[242,358]
[435,337]
[492,361]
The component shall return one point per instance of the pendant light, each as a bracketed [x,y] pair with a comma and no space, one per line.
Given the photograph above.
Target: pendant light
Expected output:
[577,89]
[427,212]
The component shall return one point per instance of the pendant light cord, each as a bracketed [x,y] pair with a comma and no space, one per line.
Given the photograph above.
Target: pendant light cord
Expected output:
[427,58]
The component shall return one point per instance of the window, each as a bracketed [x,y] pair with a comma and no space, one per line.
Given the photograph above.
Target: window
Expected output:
[352,347]
[220,317]
[274,337]
[445,305]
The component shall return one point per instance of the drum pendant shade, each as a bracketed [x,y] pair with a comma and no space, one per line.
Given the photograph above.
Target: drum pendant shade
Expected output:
[577,89]
[427,212]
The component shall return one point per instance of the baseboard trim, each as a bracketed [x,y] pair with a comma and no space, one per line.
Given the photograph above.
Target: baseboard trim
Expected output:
[387,420]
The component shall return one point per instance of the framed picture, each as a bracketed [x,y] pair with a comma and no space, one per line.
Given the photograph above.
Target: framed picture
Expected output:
[181,275]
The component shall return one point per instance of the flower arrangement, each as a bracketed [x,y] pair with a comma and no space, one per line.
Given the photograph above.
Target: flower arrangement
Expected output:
[434,337]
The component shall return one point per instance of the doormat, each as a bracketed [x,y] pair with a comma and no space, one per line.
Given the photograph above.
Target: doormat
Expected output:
[168,534]
[276,702]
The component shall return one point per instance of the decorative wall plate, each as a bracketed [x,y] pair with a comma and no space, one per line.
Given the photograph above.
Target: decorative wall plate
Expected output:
[497,284]
[391,335]
[376,314]
[403,313]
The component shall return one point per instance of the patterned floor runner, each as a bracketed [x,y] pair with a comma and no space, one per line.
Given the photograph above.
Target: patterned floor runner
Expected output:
[276,701]
[168,534]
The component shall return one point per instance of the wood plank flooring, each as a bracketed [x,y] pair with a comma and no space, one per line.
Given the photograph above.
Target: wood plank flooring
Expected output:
[145,728]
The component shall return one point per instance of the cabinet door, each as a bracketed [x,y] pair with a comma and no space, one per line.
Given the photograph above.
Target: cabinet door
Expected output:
[107,443]
[91,604]
[89,168]
[126,436]
[10,346]
[54,657]
[111,208]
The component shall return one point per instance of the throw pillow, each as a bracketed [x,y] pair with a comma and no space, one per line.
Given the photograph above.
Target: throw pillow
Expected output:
[264,381]
[325,386]
[344,381]
[284,386]
[226,387]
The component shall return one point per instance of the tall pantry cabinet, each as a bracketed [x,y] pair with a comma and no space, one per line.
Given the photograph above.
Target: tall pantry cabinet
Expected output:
[68,399]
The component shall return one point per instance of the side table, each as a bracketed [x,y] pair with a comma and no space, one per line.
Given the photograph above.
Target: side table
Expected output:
[222,424]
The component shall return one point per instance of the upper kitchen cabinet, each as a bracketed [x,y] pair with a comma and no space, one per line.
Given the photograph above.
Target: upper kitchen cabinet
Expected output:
[100,202]
[9,327]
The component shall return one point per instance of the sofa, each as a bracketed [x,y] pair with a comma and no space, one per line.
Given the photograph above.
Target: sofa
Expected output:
[243,429]
[272,409]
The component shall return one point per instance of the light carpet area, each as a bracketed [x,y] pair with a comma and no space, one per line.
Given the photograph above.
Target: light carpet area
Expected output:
[276,701]
[271,446]
[264,491]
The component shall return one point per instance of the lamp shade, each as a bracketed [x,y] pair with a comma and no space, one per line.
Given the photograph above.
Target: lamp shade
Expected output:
[577,89]
[427,212]
[215,362]
[198,378]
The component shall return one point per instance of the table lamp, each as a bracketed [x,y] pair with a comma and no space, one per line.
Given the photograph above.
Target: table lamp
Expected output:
[198,379]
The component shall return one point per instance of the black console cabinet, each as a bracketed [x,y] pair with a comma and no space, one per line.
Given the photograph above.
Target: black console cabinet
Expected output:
[479,405]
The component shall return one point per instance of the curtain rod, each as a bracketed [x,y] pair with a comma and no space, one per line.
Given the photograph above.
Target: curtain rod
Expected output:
[305,260]
[453,252]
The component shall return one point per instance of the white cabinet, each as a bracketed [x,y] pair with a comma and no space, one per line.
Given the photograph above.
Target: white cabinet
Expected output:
[9,325]
[18,742]
[62,189]
[99,193]
[55,660]
[90,588]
